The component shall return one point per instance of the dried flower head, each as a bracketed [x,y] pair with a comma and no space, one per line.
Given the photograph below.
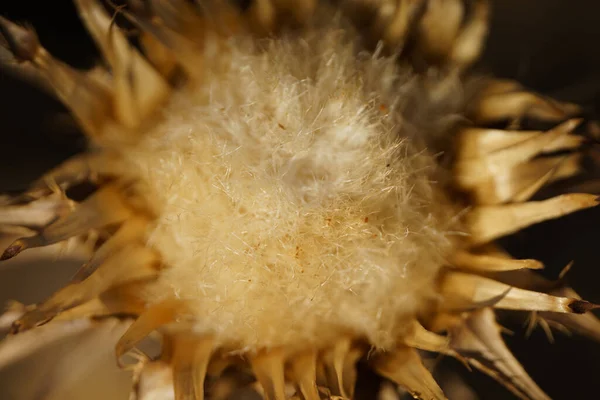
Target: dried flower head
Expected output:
[269,193]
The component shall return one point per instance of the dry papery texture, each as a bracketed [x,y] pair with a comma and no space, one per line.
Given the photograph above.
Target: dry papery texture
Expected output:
[269,196]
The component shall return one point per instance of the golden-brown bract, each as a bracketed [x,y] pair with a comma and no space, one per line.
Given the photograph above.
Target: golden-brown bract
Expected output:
[271,202]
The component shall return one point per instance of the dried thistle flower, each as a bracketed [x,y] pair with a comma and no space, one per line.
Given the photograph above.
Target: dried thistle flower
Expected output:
[269,194]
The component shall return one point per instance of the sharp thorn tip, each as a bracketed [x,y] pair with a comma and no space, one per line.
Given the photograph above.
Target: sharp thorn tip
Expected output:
[12,251]
[582,306]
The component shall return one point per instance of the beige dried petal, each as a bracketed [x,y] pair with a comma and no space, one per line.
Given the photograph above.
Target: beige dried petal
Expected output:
[478,340]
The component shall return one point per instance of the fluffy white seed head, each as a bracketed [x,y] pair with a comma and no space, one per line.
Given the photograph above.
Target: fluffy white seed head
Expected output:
[293,201]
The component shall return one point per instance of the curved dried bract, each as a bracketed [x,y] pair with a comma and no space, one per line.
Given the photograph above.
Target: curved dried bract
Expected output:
[480,143]
[339,366]
[498,166]
[36,214]
[153,317]
[463,291]
[470,41]
[487,223]
[439,27]
[191,355]
[449,34]
[268,369]
[94,167]
[404,367]
[128,265]
[130,233]
[22,70]
[138,87]
[303,372]
[478,340]
[420,338]
[507,101]
[89,101]
[168,48]
[101,209]
[586,325]
[491,262]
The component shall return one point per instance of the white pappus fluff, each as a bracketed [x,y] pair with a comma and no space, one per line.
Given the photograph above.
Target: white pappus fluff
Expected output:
[293,202]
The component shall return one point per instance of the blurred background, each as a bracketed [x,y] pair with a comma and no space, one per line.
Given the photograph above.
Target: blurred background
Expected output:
[548,45]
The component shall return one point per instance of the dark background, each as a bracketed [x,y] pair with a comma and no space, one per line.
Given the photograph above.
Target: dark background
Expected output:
[549,45]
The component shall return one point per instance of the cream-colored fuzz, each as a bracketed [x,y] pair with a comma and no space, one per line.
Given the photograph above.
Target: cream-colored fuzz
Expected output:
[293,205]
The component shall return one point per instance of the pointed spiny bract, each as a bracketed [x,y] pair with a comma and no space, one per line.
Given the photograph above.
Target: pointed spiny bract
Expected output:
[22,42]
[35,214]
[153,318]
[122,300]
[127,265]
[439,27]
[523,181]
[24,70]
[497,167]
[93,167]
[89,101]
[93,308]
[98,308]
[168,49]
[404,367]
[159,55]
[449,34]
[507,101]
[470,40]
[138,87]
[132,232]
[464,291]
[528,280]
[303,372]
[103,208]
[268,369]
[520,182]
[268,16]
[420,338]
[175,35]
[476,143]
[339,365]
[191,355]
[393,26]
[540,172]
[478,340]
[586,325]
[487,223]
[491,262]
